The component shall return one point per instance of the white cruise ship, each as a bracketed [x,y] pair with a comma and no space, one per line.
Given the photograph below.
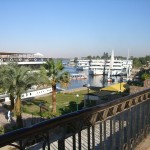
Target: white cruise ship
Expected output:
[96,67]
[113,67]
[116,68]
[119,67]
[83,64]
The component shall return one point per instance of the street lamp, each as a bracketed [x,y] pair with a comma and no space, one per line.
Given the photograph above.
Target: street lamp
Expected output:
[77,101]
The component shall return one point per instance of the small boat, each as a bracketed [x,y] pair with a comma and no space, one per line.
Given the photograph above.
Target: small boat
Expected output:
[78,76]
[110,80]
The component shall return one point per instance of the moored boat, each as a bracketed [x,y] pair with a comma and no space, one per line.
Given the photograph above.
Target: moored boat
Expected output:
[77,76]
[83,64]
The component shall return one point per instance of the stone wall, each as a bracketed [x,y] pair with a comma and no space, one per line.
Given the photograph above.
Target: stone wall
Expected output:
[135,89]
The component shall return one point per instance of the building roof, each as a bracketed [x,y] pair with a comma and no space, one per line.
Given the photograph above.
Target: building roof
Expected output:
[9,53]
[116,87]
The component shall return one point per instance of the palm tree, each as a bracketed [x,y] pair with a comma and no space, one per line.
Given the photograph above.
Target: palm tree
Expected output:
[6,80]
[56,74]
[17,80]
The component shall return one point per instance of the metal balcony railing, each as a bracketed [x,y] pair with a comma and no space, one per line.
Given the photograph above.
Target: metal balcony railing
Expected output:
[120,124]
[19,59]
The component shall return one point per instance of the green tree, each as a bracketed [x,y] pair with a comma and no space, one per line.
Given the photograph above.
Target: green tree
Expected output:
[143,60]
[136,63]
[105,56]
[89,57]
[56,74]
[97,57]
[145,76]
[131,58]
[75,60]
[7,80]
[17,80]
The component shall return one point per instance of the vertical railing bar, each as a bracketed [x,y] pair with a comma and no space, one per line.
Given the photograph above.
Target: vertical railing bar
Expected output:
[140,121]
[114,134]
[74,142]
[121,130]
[48,143]
[143,114]
[140,118]
[149,115]
[128,127]
[21,145]
[131,123]
[88,133]
[137,120]
[79,140]
[104,123]
[145,118]
[110,131]
[61,144]
[147,107]
[101,136]
[142,107]
[134,114]
[93,137]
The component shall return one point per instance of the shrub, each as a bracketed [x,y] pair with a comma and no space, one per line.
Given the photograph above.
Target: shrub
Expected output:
[2,130]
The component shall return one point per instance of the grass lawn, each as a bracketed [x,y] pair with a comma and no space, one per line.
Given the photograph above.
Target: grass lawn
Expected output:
[65,103]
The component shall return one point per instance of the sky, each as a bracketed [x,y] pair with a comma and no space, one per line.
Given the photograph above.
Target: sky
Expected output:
[75,28]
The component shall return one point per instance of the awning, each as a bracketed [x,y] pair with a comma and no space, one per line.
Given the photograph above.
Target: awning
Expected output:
[116,87]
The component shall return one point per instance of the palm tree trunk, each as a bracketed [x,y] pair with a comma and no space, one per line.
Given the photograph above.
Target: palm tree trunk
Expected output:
[12,101]
[53,98]
[18,112]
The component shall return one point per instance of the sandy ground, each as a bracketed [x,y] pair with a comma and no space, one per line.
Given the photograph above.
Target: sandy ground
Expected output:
[144,145]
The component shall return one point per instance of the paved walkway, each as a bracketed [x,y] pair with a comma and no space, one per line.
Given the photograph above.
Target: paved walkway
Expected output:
[144,145]
[3,117]
[28,119]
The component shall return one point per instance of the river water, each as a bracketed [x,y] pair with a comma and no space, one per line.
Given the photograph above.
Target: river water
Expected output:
[96,81]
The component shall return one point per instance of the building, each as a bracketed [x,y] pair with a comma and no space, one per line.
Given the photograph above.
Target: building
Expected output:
[34,60]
